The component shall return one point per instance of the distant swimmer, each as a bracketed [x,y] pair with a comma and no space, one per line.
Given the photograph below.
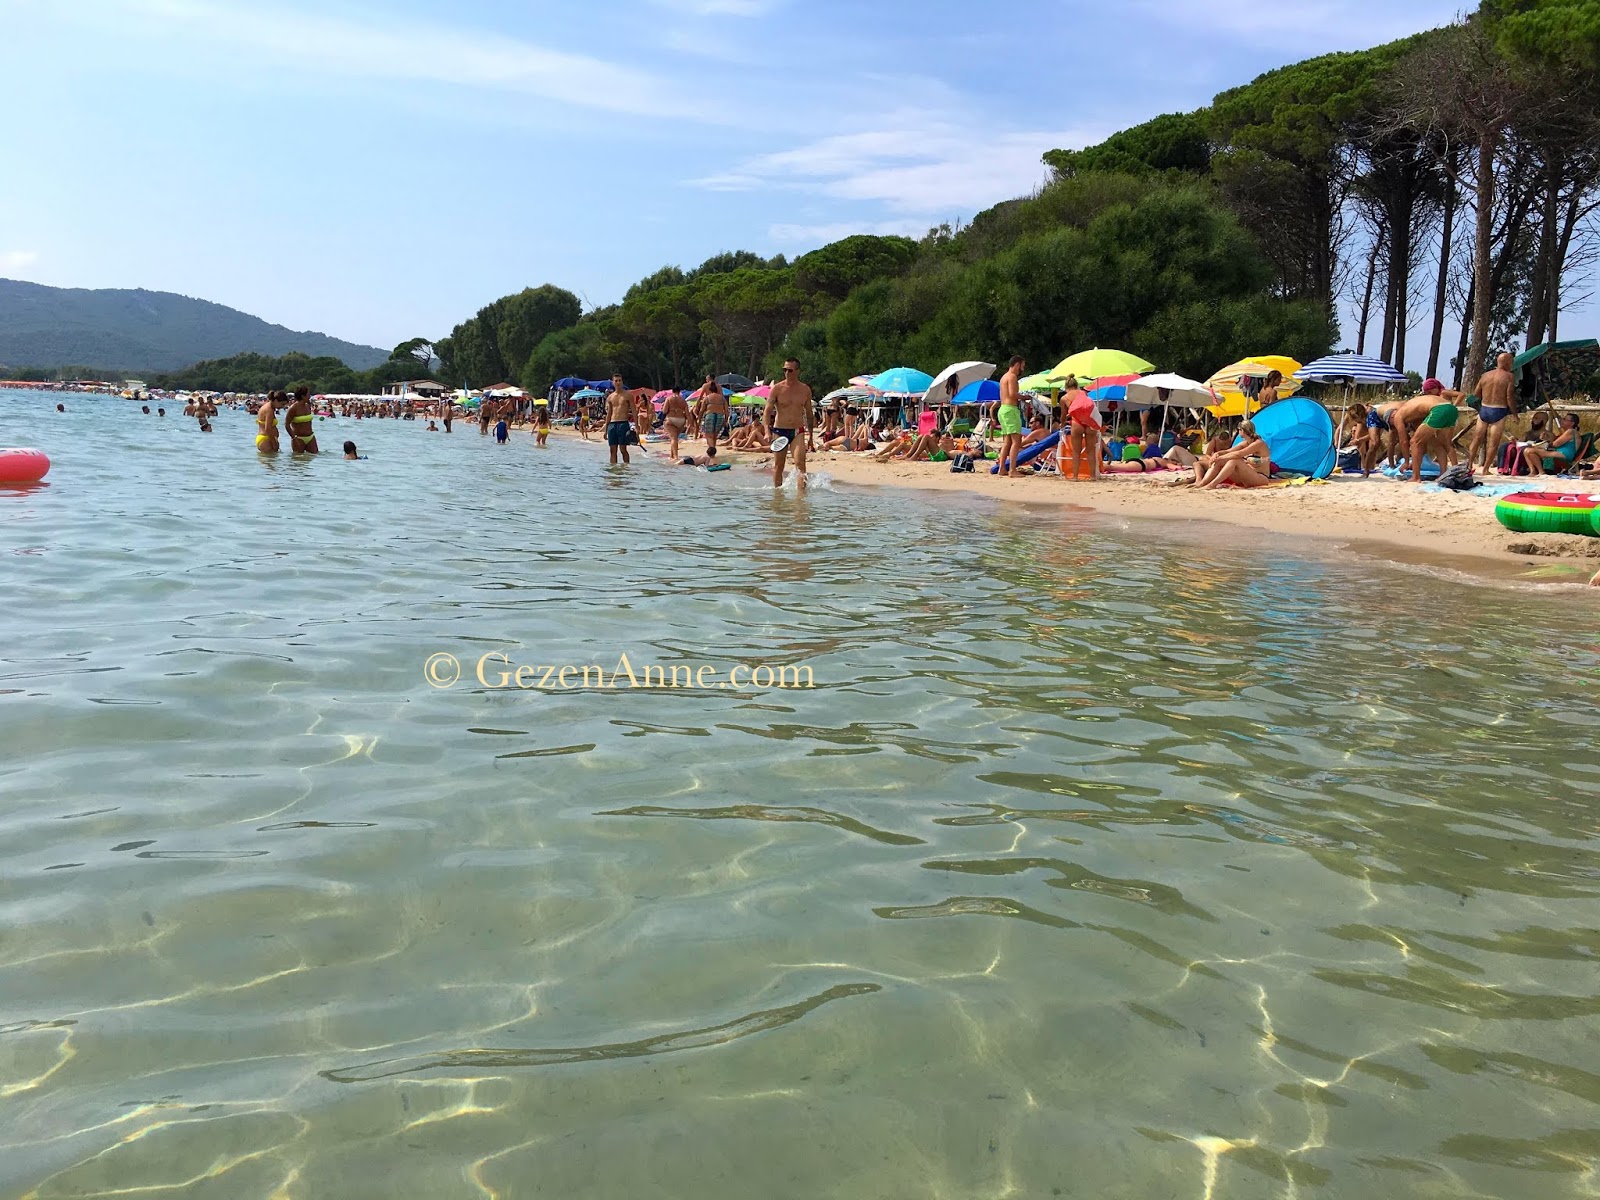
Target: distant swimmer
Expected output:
[267,423]
[697,460]
[161,412]
[300,422]
[619,420]
[61,408]
[145,409]
[350,451]
[788,415]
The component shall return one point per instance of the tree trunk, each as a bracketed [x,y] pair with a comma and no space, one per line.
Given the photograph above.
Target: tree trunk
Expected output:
[1366,295]
[1386,342]
[1444,267]
[1478,351]
[1400,268]
[1539,300]
[1466,328]
[1558,263]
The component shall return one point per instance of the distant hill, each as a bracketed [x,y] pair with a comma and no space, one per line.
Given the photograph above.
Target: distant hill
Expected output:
[139,331]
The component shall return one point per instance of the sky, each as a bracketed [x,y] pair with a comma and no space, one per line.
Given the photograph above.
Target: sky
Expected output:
[381,171]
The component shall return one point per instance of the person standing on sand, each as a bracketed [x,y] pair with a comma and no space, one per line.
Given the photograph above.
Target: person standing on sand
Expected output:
[267,424]
[675,421]
[788,414]
[1436,431]
[1008,416]
[619,420]
[1497,396]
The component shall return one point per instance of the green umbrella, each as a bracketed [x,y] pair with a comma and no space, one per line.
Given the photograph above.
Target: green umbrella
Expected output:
[748,401]
[1039,383]
[1093,364]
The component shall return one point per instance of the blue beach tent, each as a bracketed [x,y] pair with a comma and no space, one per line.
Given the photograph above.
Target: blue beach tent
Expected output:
[1299,433]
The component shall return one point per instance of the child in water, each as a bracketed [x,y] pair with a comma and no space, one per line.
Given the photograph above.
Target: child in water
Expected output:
[350,451]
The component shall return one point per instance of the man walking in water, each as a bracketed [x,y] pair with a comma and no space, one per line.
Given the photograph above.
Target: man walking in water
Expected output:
[788,415]
[1010,417]
[714,412]
[1497,394]
[619,420]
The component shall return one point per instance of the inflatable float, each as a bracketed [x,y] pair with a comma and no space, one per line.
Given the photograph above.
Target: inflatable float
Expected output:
[1550,512]
[20,465]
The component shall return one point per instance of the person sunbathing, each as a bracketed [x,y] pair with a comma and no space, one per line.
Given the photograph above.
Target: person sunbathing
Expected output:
[1556,456]
[754,436]
[1247,465]
[897,448]
[1038,430]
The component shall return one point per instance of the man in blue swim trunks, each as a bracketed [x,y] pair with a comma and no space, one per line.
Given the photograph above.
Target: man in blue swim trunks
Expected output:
[1497,395]
[619,420]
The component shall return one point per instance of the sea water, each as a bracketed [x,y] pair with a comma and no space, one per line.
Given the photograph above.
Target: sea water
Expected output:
[1101,860]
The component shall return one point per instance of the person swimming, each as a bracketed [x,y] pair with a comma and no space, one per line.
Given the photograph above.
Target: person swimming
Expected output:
[350,451]
[299,420]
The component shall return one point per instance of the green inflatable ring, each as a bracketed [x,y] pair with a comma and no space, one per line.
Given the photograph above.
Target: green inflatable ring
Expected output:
[1550,512]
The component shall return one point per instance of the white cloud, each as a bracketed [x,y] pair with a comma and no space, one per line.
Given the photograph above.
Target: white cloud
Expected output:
[395,51]
[938,168]
[17,260]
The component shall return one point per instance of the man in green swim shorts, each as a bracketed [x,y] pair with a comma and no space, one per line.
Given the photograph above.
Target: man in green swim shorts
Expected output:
[1437,432]
[1009,416]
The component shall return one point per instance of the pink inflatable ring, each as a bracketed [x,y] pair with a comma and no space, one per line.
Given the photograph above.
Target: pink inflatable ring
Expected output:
[19,465]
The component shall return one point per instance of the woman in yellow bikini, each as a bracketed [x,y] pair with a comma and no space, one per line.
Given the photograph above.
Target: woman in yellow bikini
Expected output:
[299,420]
[267,424]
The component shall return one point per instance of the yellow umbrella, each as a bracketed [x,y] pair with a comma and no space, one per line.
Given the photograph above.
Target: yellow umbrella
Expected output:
[1226,382]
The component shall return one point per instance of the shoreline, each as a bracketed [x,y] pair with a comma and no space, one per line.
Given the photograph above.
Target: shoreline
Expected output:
[1377,517]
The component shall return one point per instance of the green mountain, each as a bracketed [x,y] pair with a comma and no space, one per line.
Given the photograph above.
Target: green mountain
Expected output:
[139,331]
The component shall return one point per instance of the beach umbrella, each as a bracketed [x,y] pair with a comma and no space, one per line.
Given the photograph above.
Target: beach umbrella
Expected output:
[861,381]
[589,394]
[1353,370]
[979,391]
[1093,364]
[954,378]
[1040,383]
[570,383]
[1226,382]
[745,400]
[1299,436]
[1186,393]
[901,381]
[850,395]
[737,382]
[760,393]
[541,402]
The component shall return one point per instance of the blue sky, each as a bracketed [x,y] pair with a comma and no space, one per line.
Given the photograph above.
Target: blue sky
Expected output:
[380,171]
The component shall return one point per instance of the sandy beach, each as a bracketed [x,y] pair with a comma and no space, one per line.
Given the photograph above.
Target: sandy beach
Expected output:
[1379,516]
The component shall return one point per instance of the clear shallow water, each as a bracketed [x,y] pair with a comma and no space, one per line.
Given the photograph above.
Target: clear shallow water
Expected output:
[1095,865]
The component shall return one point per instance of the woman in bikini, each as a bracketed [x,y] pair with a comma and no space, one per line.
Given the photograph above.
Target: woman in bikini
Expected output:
[1247,465]
[267,424]
[299,420]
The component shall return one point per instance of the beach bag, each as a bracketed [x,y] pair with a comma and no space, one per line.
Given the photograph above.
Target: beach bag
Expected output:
[1511,459]
[1349,461]
[961,462]
[1458,478]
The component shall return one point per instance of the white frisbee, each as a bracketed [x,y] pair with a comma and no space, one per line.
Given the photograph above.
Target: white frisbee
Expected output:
[778,444]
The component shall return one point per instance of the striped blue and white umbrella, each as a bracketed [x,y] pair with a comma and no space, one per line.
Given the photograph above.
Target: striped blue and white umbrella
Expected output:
[1358,370]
